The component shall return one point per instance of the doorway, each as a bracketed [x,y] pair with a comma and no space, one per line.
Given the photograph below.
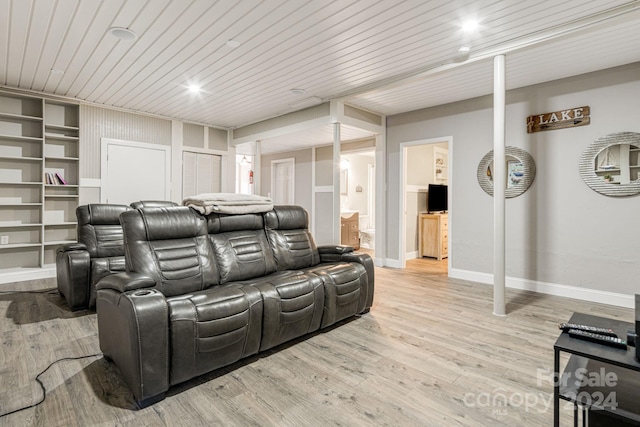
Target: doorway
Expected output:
[357,199]
[423,162]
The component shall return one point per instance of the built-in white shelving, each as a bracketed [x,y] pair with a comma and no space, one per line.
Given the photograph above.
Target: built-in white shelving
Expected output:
[38,136]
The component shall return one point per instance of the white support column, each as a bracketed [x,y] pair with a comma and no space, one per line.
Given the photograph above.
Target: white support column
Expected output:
[336,183]
[381,201]
[176,160]
[227,163]
[499,180]
[257,168]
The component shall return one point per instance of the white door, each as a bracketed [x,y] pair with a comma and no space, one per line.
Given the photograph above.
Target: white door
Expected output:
[201,173]
[133,171]
[282,181]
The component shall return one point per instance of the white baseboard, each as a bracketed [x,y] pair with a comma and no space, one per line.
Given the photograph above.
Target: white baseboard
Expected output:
[411,255]
[584,294]
[379,262]
[24,274]
[393,263]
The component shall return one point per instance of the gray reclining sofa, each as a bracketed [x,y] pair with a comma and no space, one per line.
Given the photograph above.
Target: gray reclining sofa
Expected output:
[202,292]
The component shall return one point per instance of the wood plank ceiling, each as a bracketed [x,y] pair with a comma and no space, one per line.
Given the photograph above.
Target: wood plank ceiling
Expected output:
[389,56]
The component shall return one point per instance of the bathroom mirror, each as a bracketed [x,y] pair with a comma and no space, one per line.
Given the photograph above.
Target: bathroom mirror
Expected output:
[611,164]
[521,170]
[344,176]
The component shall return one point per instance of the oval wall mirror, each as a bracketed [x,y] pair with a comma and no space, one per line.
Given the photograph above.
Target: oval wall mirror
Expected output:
[521,170]
[611,164]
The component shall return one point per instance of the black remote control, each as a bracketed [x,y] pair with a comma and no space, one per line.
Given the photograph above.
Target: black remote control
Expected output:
[598,338]
[602,331]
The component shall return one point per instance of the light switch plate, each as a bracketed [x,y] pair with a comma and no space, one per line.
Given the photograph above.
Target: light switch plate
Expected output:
[4,240]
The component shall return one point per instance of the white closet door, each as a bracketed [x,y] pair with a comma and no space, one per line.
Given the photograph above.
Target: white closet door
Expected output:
[134,171]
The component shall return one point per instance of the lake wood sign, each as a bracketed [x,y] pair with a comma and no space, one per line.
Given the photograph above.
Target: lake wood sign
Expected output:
[559,119]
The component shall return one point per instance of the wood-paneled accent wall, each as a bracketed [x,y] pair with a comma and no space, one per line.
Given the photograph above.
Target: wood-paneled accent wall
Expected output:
[97,123]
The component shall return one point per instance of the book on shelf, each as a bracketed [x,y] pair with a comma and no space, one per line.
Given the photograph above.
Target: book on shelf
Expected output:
[54,179]
[60,179]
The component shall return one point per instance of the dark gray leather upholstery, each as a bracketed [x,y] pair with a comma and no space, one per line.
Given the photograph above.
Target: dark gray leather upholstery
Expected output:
[203,292]
[345,283]
[152,204]
[292,244]
[293,306]
[99,229]
[213,328]
[292,302]
[98,253]
[240,246]
[171,246]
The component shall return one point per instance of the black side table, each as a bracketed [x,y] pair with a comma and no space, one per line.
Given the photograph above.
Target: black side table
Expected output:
[601,379]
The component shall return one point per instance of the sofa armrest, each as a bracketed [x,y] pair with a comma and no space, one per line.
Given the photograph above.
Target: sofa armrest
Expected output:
[334,254]
[334,249]
[75,246]
[125,282]
[72,273]
[133,331]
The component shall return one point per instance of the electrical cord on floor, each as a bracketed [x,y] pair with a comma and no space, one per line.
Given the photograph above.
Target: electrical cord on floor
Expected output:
[44,389]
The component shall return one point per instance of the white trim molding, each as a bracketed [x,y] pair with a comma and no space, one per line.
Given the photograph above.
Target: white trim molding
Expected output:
[566,291]
[24,274]
[323,188]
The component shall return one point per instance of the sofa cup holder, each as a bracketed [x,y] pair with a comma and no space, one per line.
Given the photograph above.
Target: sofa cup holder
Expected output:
[143,293]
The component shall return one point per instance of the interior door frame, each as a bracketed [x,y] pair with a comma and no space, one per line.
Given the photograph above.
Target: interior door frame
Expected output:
[291,160]
[104,150]
[402,249]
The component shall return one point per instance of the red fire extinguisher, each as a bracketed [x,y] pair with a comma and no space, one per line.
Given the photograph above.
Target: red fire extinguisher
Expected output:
[250,177]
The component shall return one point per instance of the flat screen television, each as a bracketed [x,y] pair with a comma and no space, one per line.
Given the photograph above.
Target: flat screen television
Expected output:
[437,198]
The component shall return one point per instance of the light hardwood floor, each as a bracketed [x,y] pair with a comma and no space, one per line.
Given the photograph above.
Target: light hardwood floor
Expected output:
[430,353]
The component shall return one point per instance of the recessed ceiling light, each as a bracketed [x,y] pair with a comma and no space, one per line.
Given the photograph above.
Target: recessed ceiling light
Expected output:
[470,26]
[193,88]
[297,91]
[233,43]
[123,33]
[464,49]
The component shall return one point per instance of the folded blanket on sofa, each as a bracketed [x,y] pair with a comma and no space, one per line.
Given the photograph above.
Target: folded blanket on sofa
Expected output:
[228,203]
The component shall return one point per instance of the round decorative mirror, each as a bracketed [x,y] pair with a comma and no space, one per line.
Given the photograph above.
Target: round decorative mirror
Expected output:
[611,164]
[521,170]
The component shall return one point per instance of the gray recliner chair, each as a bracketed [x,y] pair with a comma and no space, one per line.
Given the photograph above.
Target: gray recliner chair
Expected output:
[98,253]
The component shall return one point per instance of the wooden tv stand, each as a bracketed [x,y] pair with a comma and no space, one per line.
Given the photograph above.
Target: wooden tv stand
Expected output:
[433,231]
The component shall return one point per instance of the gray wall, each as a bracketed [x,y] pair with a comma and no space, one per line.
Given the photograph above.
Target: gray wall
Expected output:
[420,165]
[324,220]
[324,165]
[559,231]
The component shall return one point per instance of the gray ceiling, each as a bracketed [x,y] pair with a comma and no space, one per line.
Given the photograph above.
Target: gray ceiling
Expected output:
[387,56]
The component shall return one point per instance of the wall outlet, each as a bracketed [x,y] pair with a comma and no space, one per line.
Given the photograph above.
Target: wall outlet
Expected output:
[4,240]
